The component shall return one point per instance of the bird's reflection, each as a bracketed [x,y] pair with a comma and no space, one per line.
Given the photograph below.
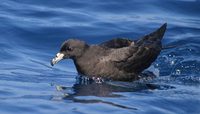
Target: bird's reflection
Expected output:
[102,88]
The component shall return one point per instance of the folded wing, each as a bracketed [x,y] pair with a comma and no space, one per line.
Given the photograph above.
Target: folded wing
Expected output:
[135,56]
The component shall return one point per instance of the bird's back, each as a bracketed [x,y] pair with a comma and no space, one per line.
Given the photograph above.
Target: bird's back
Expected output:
[132,57]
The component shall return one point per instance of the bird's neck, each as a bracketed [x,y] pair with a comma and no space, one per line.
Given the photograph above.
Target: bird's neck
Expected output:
[88,60]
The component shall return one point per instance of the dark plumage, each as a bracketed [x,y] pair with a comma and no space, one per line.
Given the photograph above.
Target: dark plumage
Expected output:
[118,59]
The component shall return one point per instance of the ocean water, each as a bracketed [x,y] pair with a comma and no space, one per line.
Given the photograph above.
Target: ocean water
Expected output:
[32,31]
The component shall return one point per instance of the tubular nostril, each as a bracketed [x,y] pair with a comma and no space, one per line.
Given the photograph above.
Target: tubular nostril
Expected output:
[57,54]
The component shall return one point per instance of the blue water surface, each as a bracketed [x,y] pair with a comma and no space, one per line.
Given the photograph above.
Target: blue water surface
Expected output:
[31,32]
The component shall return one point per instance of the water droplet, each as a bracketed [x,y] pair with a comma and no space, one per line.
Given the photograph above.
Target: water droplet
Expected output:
[172,63]
[178,71]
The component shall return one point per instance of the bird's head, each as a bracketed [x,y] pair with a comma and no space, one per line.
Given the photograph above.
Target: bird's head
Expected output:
[71,48]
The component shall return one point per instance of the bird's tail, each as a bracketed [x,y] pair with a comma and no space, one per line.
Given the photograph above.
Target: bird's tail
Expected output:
[172,46]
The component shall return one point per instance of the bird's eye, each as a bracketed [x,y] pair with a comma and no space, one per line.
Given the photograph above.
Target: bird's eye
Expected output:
[69,48]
